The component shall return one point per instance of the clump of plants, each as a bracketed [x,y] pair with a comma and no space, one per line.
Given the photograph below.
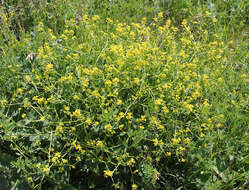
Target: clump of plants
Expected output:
[107,104]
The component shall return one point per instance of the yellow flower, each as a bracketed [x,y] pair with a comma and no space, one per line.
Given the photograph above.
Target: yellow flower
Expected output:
[19,91]
[46,169]
[29,179]
[121,127]
[64,161]
[119,102]
[99,144]
[76,97]
[134,186]
[159,101]
[4,102]
[38,165]
[77,113]
[182,160]
[168,153]
[108,128]
[141,127]
[66,108]
[160,14]
[49,67]
[57,154]
[95,17]
[108,173]
[54,159]
[78,159]
[176,141]
[131,162]
[40,100]
[184,22]
[202,135]
[129,115]
[27,78]
[187,140]
[136,80]
[59,129]
[155,141]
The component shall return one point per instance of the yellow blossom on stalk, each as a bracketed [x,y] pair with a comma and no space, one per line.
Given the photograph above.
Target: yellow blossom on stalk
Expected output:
[54,159]
[35,98]
[160,127]
[95,93]
[77,113]
[136,80]
[58,154]
[66,108]
[165,109]
[40,100]
[115,81]
[143,118]
[99,144]
[131,162]
[59,128]
[119,102]
[19,91]
[121,127]
[64,161]
[64,37]
[42,118]
[27,78]
[82,152]
[88,121]
[168,153]
[159,101]
[46,169]
[85,83]
[49,68]
[129,115]
[78,159]
[109,21]
[176,141]
[76,97]
[160,14]
[134,172]
[96,123]
[108,128]
[38,165]
[155,141]
[4,102]
[134,186]
[108,173]
[184,22]
[182,160]
[29,179]
[95,17]
[141,127]
[187,140]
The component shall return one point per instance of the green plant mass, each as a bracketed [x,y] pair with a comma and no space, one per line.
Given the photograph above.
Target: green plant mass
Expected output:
[121,94]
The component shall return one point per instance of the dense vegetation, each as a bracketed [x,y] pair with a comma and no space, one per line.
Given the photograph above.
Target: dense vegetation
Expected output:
[124,94]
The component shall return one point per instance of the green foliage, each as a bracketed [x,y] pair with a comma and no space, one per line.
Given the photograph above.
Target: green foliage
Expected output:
[124,94]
